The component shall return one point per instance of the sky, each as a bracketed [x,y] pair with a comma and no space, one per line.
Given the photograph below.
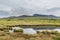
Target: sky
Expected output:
[29,7]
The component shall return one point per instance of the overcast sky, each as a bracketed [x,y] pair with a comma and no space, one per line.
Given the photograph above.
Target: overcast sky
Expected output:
[29,7]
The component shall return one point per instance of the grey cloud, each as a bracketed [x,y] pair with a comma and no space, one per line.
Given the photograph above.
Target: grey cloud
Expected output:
[29,7]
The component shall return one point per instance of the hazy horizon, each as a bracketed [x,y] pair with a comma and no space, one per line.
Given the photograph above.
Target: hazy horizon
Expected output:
[29,7]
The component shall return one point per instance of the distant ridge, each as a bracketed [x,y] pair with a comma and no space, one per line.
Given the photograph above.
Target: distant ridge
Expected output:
[34,15]
[41,15]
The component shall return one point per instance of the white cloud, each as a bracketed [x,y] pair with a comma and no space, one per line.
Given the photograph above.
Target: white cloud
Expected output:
[37,6]
[5,8]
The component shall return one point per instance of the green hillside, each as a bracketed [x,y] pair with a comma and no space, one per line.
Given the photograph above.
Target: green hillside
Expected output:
[29,21]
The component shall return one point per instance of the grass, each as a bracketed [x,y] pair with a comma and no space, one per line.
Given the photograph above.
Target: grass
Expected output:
[28,21]
[20,36]
[38,36]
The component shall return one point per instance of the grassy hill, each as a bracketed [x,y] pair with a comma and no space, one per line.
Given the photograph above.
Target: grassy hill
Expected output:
[29,21]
